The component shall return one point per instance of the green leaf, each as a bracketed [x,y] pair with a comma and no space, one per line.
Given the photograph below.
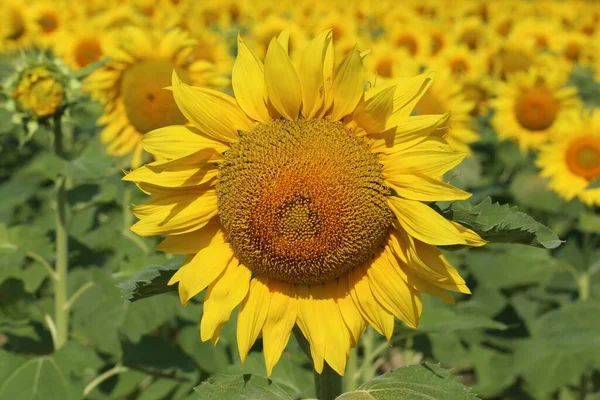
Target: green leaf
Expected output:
[150,281]
[589,222]
[505,266]
[438,318]
[210,358]
[99,312]
[415,382]
[93,164]
[240,387]
[531,190]
[39,378]
[153,352]
[90,68]
[85,114]
[595,184]
[501,223]
[564,344]
[146,315]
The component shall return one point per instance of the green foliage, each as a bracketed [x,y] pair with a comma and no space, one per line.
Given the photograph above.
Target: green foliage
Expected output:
[412,383]
[150,281]
[501,223]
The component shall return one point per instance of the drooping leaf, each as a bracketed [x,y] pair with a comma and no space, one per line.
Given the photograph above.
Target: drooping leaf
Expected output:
[415,382]
[240,387]
[150,281]
[210,358]
[501,223]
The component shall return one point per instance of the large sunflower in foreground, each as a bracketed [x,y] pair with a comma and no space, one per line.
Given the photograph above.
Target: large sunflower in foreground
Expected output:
[572,160]
[302,200]
[131,86]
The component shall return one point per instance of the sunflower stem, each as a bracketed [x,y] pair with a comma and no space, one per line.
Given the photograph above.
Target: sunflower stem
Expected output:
[328,384]
[61,313]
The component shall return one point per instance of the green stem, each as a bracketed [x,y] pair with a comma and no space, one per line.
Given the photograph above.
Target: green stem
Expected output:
[61,314]
[368,343]
[328,384]
[350,379]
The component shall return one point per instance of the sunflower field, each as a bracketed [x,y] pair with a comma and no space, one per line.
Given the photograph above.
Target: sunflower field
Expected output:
[281,200]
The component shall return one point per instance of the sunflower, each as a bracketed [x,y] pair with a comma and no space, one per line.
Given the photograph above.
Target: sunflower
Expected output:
[131,86]
[81,45]
[542,32]
[14,30]
[302,200]
[47,20]
[531,105]
[572,160]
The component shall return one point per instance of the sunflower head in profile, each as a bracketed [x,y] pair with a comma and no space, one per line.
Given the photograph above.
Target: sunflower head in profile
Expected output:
[530,106]
[301,200]
[572,160]
[131,86]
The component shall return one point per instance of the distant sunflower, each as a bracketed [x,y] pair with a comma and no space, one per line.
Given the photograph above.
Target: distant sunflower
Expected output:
[131,86]
[444,95]
[302,200]
[531,105]
[81,44]
[572,160]
[14,30]
[47,20]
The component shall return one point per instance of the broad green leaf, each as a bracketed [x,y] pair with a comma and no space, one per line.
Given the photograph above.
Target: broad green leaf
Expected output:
[85,113]
[445,320]
[415,382]
[289,373]
[504,266]
[155,353]
[150,281]
[36,379]
[99,312]
[494,370]
[564,344]
[146,315]
[92,164]
[501,223]
[210,358]
[240,387]
[531,190]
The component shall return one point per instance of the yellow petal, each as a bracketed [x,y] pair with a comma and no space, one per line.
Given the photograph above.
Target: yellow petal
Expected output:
[176,214]
[470,236]
[348,85]
[311,74]
[352,317]
[408,92]
[203,269]
[214,113]
[405,132]
[327,81]
[394,292]
[279,322]
[310,322]
[284,39]
[222,296]
[282,82]
[192,242]
[432,157]
[178,141]
[423,223]
[248,82]
[192,170]
[417,186]
[372,114]
[370,308]
[337,338]
[252,315]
